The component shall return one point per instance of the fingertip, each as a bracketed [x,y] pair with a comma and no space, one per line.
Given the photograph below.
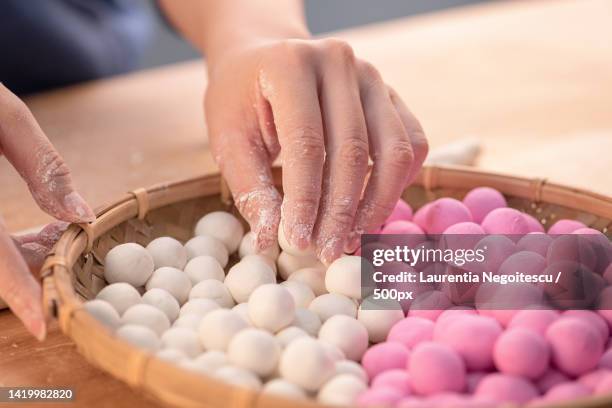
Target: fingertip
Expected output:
[78,210]
[330,249]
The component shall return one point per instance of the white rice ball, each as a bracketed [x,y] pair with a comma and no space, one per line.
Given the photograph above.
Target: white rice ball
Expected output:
[148,316]
[334,352]
[343,276]
[283,388]
[301,293]
[207,245]
[247,247]
[271,307]
[218,327]
[120,295]
[189,321]
[330,304]
[288,334]
[212,360]
[287,264]
[378,317]
[342,390]
[103,312]
[238,376]
[204,267]
[352,368]
[346,333]
[130,263]
[244,277]
[223,226]
[164,301]
[214,290]
[139,336]
[255,350]
[171,355]
[175,281]
[243,310]
[198,306]
[306,363]
[180,338]
[167,251]
[260,258]
[313,277]
[307,320]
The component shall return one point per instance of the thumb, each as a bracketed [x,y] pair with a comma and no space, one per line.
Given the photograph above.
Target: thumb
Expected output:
[27,148]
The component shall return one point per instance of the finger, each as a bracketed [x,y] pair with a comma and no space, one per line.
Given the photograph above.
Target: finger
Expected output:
[295,106]
[420,146]
[19,289]
[346,151]
[27,148]
[46,237]
[390,150]
[245,165]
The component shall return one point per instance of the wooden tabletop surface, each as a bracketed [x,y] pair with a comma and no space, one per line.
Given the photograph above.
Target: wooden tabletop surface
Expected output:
[530,79]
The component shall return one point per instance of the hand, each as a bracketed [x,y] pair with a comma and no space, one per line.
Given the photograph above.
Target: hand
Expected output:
[25,145]
[325,112]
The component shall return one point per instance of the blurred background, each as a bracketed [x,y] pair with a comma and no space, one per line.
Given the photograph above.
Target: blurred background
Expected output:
[322,15]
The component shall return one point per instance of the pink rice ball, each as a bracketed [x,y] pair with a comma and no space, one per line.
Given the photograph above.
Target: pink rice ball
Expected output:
[565,226]
[576,345]
[473,379]
[419,216]
[411,331]
[497,249]
[482,200]
[383,357]
[441,214]
[507,221]
[521,352]
[526,262]
[606,360]
[533,224]
[566,392]
[377,397]
[398,379]
[572,248]
[412,234]
[448,317]
[533,319]
[607,274]
[534,242]
[506,388]
[465,228]
[604,387]
[473,338]
[436,368]
[551,378]
[429,305]
[601,245]
[592,318]
[401,211]
[592,379]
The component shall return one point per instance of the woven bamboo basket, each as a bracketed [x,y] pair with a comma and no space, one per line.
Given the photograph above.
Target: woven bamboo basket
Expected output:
[73,272]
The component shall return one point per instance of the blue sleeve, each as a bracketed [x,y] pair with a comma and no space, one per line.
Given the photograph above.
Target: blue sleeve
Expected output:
[50,43]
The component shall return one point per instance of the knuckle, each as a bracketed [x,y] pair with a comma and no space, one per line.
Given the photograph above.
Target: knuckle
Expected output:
[369,73]
[341,212]
[307,142]
[354,152]
[420,145]
[340,49]
[295,51]
[51,165]
[401,154]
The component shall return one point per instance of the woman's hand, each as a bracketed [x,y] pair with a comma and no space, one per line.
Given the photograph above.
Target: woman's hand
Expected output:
[25,145]
[326,112]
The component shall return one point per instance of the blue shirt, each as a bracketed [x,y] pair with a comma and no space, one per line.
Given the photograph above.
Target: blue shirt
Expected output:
[50,43]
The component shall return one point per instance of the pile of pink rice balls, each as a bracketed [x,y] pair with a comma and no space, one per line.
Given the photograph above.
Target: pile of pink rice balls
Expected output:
[280,322]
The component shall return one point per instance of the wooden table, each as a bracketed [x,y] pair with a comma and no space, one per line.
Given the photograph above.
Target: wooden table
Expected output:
[531,79]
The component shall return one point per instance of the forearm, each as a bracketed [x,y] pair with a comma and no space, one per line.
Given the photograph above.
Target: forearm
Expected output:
[215,27]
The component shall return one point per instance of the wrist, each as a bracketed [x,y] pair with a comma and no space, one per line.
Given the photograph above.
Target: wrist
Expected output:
[223,42]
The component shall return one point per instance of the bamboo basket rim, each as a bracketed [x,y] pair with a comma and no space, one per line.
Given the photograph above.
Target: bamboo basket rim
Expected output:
[60,300]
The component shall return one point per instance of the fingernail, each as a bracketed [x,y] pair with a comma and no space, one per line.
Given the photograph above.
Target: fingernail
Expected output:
[331,249]
[35,324]
[352,243]
[77,207]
